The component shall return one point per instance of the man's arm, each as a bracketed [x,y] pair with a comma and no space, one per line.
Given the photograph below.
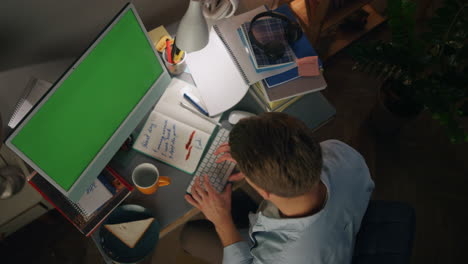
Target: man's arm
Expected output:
[228,233]
[236,251]
[217,208]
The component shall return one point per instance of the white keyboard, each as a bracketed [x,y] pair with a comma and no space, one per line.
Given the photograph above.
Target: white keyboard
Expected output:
[218,173]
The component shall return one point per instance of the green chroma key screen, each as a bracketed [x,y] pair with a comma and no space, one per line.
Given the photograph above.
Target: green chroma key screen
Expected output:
[66,133]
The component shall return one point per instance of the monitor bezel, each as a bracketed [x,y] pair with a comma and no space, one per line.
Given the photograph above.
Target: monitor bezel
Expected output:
[108,149]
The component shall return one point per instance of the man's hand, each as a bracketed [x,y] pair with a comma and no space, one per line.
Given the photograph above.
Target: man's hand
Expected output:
[215,206]
[226,149]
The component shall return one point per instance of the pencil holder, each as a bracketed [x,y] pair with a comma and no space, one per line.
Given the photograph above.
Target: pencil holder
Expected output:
[175,68]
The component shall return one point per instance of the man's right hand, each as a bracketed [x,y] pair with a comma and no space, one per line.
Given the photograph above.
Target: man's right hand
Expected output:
[226,149]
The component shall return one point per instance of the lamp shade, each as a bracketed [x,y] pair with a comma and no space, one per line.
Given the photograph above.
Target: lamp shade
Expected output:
[192,34]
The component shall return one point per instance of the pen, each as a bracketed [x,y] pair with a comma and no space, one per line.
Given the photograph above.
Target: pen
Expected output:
[174,50]
[169,51]
[200,114]
[195,103]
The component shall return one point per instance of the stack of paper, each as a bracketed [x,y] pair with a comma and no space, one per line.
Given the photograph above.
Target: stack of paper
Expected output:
[225,68]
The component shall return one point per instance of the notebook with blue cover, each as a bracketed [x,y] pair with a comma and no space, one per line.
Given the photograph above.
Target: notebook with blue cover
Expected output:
[302,48]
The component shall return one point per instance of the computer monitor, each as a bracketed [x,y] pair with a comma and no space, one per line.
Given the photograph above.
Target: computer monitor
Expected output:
[75,130]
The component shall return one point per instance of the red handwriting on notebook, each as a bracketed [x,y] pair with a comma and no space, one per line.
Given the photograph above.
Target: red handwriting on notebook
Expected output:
[188,145]
[189,142]
[188,153]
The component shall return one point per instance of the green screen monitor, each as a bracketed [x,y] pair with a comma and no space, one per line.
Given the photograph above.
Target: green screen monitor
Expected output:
[79,125]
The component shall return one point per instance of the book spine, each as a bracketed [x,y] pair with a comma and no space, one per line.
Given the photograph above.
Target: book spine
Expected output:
[261,98]
[55,206]
[259,102]
[118,177]
[231,53]
[282,107]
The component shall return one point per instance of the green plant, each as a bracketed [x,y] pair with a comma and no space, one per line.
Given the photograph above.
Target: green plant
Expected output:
[425,68]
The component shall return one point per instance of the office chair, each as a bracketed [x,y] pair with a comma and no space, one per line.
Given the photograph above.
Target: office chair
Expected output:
[386,234]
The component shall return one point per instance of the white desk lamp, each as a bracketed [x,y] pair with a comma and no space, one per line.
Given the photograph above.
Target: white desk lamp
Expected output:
[192,34]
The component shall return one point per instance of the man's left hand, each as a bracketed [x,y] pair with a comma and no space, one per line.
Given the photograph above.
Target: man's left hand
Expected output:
[215,206]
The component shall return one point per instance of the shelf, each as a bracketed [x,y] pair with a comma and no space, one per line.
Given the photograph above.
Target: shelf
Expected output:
[342,39]
[299,8]
[337,15]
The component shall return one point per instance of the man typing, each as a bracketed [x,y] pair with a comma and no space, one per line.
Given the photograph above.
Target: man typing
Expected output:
[315,196]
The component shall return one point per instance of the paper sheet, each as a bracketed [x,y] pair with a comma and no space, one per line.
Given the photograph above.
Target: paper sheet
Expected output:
[94,197]
[169,104]
[216,76]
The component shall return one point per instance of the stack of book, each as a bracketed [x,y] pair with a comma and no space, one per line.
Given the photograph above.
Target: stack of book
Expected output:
[277,92]
[99,200]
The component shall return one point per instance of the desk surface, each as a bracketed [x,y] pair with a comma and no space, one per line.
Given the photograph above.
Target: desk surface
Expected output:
[168,203]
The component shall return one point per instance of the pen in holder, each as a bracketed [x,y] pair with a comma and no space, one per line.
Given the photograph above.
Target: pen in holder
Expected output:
[175,68]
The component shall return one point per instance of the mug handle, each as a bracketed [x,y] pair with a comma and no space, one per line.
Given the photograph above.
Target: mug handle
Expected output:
[163,181]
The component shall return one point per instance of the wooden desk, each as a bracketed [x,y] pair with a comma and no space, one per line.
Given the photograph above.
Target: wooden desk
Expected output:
[168,204]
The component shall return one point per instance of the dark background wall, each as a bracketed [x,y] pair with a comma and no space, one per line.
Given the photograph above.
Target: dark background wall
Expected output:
[42,38]
[36,31]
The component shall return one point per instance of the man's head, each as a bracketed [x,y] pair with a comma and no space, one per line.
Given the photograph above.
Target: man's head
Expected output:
[277,153]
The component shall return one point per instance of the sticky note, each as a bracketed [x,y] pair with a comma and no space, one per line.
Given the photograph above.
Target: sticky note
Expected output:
[157,33]
[308,66]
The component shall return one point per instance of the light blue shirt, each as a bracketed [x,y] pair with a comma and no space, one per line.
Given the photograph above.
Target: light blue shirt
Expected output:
[325,237]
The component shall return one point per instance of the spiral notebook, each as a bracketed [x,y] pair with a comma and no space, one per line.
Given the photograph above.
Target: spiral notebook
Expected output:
[86,215]
[34,91]
[95,196]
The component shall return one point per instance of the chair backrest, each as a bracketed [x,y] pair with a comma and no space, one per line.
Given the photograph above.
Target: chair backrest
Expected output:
[386,234]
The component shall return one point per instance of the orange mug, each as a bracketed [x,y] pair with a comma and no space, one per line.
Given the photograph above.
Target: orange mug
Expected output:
[147,180]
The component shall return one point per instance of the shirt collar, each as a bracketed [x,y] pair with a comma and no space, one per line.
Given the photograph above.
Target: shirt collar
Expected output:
[268,218]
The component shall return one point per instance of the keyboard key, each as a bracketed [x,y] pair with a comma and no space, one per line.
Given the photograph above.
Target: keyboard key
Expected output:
[218,173]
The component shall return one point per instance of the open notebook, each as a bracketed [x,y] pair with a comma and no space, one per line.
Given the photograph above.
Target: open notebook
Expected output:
[173,134]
